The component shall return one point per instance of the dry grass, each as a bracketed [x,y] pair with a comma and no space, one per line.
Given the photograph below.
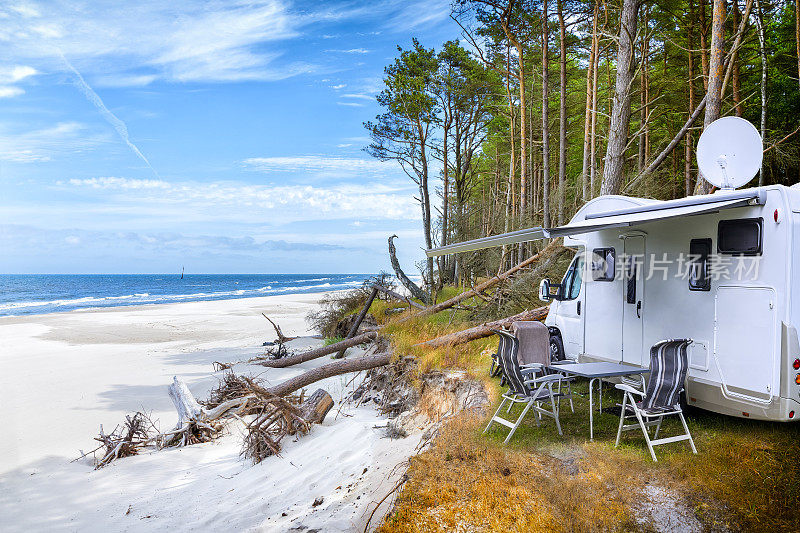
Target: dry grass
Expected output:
[752,467]
[468,483]
[745,477]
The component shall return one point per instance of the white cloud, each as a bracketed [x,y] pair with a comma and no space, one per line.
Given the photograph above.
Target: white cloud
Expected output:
[315,163]
[11,75]
[16,73]
[350,104]
[181,41]
[340,86]
[42,144]
[351,51]
[120,183]
[243,202]
[10,91]
[360,96]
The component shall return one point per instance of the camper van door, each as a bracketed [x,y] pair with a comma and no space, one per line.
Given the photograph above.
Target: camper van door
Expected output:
[571,309]
[633,307]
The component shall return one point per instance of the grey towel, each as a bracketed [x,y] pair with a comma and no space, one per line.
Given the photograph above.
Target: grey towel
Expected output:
[534,342]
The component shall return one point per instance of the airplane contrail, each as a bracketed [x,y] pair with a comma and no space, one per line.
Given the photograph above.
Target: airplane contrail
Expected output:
[112,119]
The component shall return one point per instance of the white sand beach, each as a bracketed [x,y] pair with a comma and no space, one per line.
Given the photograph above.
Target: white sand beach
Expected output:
[65,374]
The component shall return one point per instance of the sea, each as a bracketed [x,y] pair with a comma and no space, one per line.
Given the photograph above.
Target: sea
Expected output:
[28,294]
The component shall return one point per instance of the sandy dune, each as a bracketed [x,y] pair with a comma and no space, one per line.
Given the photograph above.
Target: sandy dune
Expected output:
[65,374]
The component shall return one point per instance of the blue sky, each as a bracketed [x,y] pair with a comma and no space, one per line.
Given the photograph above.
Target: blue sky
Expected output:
[224,136]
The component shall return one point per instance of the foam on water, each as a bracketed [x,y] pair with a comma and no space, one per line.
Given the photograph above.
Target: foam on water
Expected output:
[36,294]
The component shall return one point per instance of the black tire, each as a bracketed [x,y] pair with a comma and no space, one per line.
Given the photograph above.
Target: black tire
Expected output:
[556,348]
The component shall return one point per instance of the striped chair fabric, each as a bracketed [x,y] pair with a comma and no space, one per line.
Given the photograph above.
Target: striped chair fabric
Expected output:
[669,363]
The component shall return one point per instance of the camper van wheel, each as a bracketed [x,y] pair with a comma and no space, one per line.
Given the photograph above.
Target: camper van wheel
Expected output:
[556,348]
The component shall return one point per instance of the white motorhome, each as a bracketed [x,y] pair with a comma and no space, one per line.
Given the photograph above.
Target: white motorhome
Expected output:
[722,269]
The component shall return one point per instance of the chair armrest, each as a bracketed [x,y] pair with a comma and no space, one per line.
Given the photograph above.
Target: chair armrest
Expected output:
[536,366]
[544,379]
[628,388]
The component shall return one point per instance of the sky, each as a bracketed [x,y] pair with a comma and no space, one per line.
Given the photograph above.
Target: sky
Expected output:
[223,136]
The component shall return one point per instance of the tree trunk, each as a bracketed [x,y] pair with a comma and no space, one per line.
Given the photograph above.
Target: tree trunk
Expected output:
[736,83]
[587,120]
[715,76]
[621,111]
[398,296]
[319,352]
[484,330]
[523,132]
[704,44]
[336,368]
[187,407]
[445,196]
[545,119]
[763,53]
[359,319]
[687,152]
[593,141]
[797,39]
[426,210]
[562,113]
[415,291]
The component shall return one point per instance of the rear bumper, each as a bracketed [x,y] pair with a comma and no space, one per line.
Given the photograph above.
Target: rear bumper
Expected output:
[710,397]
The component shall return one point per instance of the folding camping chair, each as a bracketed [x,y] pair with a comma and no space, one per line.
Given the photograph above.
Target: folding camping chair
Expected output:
[534,347]
[668,367]
[496,370]
[524,387]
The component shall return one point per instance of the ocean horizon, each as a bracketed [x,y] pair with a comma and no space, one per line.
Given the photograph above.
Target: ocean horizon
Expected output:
[32,294]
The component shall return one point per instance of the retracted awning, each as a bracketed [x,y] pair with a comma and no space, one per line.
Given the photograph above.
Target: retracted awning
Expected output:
[642,214]
[693,205]
[523,235]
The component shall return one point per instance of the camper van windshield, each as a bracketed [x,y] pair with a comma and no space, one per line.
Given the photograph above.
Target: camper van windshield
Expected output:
[573,279]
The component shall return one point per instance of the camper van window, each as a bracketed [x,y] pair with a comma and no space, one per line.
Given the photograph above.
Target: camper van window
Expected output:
[699,274]
[630,287]
[603,264]
[573,279]
[740,237]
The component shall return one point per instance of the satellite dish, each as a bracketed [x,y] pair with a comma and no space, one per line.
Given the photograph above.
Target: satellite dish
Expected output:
[729,152]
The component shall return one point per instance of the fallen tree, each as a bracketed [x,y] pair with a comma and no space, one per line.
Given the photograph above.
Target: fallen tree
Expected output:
[412,287]
[398,296]
[488,284]
[484,330]
[372,361]
[342,366]
[319,352]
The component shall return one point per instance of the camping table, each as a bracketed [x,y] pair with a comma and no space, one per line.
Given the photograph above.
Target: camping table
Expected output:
[597,372]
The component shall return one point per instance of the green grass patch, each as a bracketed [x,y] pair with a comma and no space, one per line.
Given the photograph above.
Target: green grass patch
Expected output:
[331,340]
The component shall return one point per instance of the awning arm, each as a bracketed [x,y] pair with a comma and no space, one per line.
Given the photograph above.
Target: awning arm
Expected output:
[523,235]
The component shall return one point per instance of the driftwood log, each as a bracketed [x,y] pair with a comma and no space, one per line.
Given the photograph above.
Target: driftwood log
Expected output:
[319,352]
[342,366]
[412,287]
[489,283]
[359,319]
[315,408]
[281,337]
[484,330]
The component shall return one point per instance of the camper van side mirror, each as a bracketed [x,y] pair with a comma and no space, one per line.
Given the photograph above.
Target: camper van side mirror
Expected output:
[544,291]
